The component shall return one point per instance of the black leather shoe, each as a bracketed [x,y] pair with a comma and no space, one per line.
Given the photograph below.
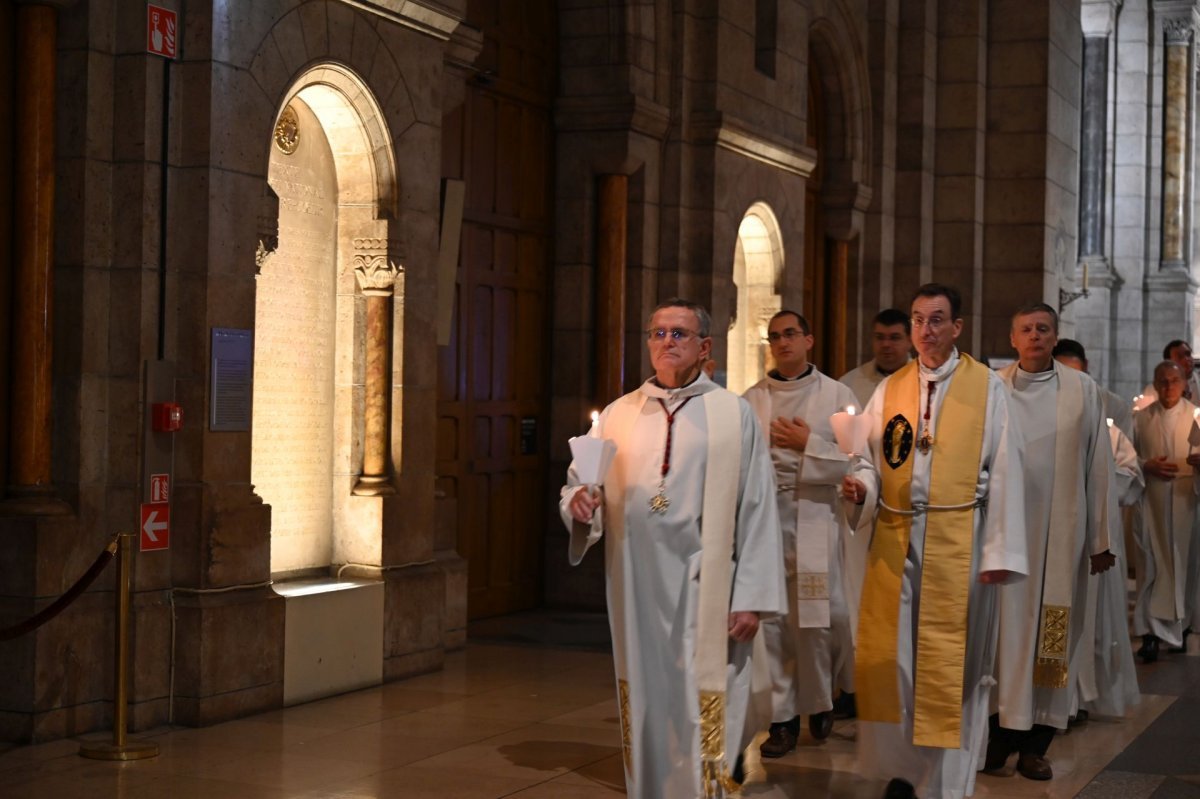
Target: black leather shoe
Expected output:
[781,739]
[1079,718]
[844,707]
[997,757]
[820,725]
[1034,767]
[1149,651]
[899,789]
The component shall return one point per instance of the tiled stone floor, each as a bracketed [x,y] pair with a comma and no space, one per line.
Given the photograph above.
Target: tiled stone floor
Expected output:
[510,720]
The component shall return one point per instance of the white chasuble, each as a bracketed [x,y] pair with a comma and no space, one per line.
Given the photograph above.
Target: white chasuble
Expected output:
[886,750]
[654,568]
[1046,633]
[811,651]
[1166,603]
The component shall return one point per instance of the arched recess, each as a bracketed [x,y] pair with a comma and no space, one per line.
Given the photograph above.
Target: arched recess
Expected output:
[757,268]
[324,318]
[839,190]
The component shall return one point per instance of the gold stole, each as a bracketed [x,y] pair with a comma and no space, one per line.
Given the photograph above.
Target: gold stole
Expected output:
[941,636]
[722,476]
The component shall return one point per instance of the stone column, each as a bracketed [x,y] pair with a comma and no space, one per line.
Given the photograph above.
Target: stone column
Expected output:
[1092,147]
[1176,78]
[1171,289]
[377,279]
[1092,314]
[32,330]
[611,245]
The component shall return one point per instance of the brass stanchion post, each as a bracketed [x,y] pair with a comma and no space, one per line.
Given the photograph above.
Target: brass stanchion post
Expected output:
[120,748]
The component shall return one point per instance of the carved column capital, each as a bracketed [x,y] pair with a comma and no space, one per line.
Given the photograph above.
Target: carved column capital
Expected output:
[1098,17]
[375,272]
[1177,31]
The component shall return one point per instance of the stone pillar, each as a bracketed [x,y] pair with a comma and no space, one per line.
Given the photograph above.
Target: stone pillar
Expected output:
[32,330]
[1092,314]
[1171,289]
[612,232]
[1093,139]
[377,279]
[1177,33]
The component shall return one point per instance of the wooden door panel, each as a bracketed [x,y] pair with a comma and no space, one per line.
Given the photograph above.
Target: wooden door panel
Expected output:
[492,376]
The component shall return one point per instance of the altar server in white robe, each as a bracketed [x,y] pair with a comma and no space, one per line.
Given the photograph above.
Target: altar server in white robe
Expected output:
[890,335]
[692,561]
[1046,633]
[1071,353]
[1180,352]
[812,647]
[1110,685]
[950,529]
[1167,441]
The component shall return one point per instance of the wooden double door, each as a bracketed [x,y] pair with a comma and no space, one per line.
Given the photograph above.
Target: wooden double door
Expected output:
[493,389]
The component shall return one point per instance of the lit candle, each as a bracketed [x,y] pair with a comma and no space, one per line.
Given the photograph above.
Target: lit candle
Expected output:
[595,421]
[1109,421]
[850,410]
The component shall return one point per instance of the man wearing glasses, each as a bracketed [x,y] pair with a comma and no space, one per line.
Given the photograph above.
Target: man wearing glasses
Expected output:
[950,528]
[813,646]
[692,559]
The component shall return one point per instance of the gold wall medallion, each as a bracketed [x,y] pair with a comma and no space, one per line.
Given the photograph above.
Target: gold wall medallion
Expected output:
[287,131]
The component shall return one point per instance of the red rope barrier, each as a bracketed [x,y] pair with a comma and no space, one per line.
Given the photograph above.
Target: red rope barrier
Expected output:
[59,605]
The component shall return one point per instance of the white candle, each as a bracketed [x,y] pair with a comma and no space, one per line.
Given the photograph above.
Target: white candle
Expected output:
[1109,422]
[850,410]
[595,421]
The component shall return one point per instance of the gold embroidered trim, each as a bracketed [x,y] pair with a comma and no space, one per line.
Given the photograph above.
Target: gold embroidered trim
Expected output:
[812,585]
[714,774]
[1050,669]
[626,726]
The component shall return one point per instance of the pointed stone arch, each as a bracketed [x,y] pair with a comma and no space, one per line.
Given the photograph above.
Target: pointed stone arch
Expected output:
[757,270]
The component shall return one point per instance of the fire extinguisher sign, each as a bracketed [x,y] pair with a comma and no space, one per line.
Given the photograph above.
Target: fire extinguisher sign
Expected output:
[162,28]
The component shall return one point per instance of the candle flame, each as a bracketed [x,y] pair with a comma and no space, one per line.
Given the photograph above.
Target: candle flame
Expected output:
[595,416]
[1109,421]
[1195,413]
[850,410]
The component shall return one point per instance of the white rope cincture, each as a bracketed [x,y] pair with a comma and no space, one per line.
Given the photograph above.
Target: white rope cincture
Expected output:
[923,507]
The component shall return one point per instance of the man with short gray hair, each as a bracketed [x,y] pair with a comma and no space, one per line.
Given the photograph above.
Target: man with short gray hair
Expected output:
[692,558]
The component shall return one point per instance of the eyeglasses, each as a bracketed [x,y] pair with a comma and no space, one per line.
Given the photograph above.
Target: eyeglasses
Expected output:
[934,323]
[676,334]
[790,333]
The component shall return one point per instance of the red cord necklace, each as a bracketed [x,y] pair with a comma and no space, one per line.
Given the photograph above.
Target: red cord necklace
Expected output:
[659,502]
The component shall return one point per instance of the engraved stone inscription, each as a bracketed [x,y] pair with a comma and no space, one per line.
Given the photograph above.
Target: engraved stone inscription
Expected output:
[292,466]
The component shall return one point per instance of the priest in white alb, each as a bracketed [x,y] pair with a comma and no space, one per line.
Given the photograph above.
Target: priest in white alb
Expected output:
[1045,630]
[950,529]
[890,336]
[812,647]
[1108,682]
[1168,446]
[692,549]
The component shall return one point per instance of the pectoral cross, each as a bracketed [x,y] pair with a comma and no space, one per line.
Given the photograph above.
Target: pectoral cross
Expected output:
[926,442]
[659,502]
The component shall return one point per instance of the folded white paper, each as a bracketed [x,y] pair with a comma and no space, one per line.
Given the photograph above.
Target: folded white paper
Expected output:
[851,431]
[592,457]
